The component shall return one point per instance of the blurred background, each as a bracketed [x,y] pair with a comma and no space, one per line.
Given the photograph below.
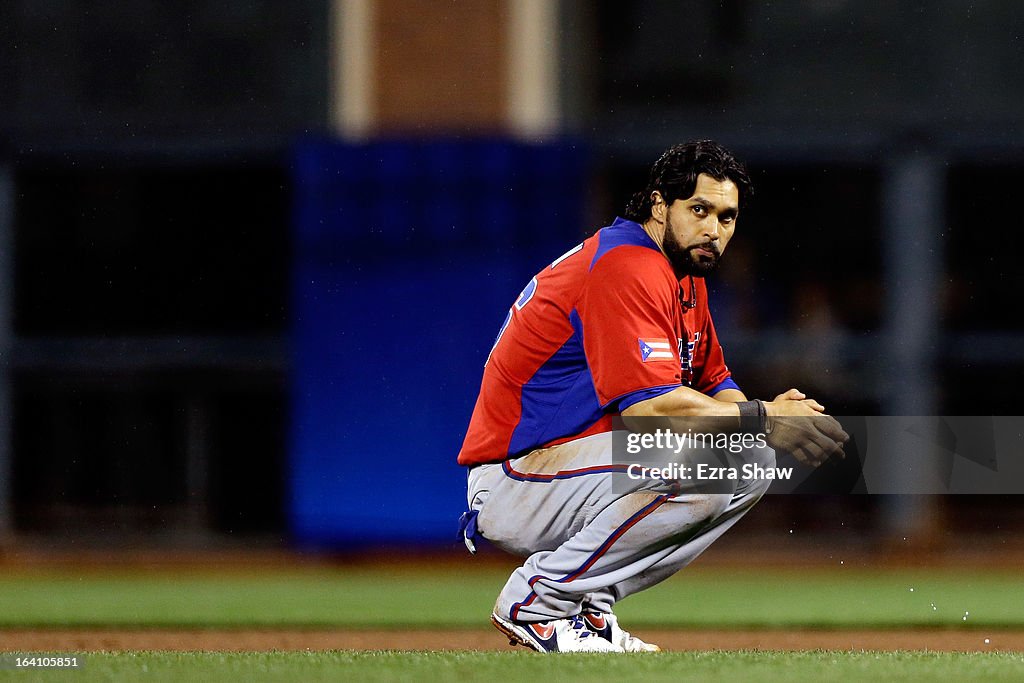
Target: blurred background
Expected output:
[253,254]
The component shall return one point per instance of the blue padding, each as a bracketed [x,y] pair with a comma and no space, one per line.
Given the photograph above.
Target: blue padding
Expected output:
[407,257]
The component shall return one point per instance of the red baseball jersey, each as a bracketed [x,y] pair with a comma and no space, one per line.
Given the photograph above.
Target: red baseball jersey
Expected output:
[600,329]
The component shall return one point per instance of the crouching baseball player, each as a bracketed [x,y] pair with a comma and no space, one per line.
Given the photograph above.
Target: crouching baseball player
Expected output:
[618,325]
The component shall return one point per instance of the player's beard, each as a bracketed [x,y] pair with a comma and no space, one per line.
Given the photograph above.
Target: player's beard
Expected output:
[683,259]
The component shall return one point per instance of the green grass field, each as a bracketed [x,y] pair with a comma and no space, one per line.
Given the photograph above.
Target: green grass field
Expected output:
[443,597]
[403,598]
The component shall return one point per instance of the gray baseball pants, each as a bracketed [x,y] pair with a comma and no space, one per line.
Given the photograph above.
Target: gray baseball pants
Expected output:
[588,543]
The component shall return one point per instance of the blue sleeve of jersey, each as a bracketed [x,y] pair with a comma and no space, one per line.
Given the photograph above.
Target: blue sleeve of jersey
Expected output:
[635,397]
[726,383]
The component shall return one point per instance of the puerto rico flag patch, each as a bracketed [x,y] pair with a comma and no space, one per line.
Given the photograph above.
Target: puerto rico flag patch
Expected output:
[655,348]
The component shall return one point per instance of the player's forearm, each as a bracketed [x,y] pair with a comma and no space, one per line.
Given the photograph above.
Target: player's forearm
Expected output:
[684,402]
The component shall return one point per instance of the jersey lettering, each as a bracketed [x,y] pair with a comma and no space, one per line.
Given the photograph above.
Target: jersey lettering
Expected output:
[686,359]
[527,294]
[524,298]
[567,254]
[504,326]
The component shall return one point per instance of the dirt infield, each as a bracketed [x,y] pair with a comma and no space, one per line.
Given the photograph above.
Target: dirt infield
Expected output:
[56,640]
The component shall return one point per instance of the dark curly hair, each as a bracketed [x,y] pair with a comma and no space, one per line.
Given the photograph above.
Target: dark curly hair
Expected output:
[675,173]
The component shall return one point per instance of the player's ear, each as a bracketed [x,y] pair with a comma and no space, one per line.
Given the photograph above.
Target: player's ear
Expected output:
[658,207]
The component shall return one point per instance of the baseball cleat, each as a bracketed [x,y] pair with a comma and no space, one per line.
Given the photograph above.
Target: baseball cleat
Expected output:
[606,625]
[556,635]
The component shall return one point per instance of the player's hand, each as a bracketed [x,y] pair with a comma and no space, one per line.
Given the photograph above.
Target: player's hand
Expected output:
[799,425]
